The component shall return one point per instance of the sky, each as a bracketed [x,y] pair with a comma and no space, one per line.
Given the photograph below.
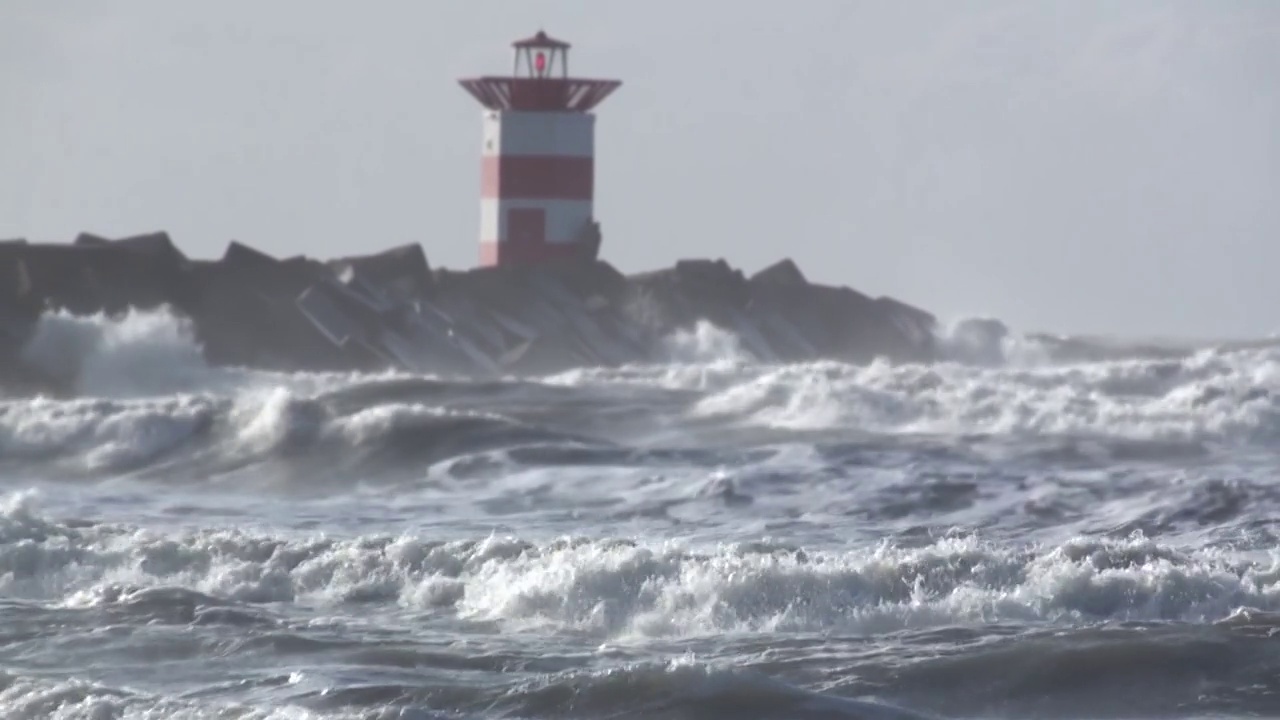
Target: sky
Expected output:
[1075,166]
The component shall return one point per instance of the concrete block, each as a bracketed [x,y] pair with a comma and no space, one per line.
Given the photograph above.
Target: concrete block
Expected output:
[783,272]
[403,271]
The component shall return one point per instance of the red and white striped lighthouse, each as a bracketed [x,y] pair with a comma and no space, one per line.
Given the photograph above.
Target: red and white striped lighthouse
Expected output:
[538,161]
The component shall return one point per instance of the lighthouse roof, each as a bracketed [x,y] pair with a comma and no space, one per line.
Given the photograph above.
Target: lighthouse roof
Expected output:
[541,39]
[539,81]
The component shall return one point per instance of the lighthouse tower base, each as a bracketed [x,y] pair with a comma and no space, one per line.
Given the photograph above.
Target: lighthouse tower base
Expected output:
[508,253]
[537,177]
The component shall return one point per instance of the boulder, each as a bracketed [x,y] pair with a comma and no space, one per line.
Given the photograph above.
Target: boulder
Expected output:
[783,272]
[85,239]
[19,308]
[91,277]
[241,257]
[692,290]
[246,312]
[400,271]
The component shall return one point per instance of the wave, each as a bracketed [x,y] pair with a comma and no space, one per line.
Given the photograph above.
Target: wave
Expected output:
[146,401]
[1210,395]
[687,689]
[1088,627]
[1116,672]
[987,341]
[621,589]
[143,352]
[673,690]
[39,698]
[706,343]
[156,352]
[1124,672]
[207,435]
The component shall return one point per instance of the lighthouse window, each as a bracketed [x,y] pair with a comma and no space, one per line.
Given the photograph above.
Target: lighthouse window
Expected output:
[540,62]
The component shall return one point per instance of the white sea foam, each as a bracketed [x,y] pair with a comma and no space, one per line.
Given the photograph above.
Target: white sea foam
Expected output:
[100,434]
[602,588]
[146,390]
[622,589]
[148,353]
[993,381]
[706,343]
[1212,394]
[142,352]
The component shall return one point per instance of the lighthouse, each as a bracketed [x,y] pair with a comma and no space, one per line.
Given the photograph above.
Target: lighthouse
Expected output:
[538,157]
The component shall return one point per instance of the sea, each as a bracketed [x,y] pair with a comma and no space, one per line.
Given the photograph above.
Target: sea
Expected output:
[1030,534]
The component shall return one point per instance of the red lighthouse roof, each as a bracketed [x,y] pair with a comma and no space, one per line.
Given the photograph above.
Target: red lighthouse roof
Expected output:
[541,39]
[539,81]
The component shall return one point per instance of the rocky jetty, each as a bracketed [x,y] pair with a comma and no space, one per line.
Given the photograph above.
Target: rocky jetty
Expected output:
[393,310]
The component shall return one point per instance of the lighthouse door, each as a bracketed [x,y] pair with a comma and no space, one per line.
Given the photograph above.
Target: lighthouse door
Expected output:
[526,231]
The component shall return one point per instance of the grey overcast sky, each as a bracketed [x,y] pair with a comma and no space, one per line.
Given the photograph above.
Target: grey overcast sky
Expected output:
[1071,166]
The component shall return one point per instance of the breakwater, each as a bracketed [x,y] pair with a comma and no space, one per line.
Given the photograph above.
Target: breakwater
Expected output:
[392,310]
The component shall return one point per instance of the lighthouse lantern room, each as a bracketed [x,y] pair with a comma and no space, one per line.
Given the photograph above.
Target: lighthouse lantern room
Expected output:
[538,157]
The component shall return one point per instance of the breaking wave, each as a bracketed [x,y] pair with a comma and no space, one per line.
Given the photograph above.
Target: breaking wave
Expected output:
[619,589]
[1211,394]
[147,401]
[1023,529]
[706,343]
[1098,610]
[143,352]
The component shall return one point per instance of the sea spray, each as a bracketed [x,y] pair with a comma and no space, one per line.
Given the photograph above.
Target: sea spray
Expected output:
[142,352]
[705,343]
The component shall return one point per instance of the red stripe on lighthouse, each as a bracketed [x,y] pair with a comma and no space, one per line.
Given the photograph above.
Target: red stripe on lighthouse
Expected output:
[498,253]
[537,177]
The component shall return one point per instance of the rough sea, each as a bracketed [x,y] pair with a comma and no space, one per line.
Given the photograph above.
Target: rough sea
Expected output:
[1033,537]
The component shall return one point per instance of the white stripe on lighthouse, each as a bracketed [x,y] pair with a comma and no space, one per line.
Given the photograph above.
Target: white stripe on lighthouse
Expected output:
[513,133]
